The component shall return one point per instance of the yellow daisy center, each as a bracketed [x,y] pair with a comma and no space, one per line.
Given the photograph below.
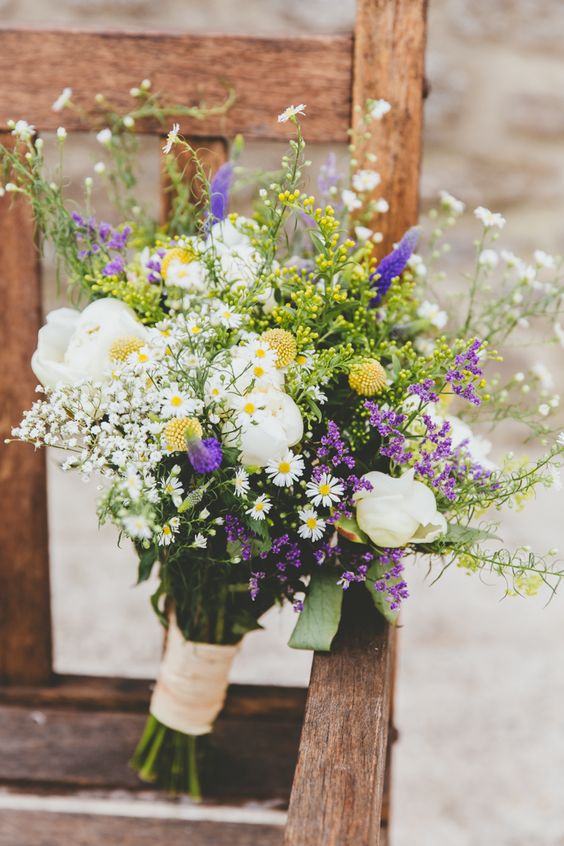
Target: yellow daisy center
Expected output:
[176,401]
[311,522]
[367,377]
[179,430]
[259,506]
[167,530]
[260,353]
[324,489]
[249,407]
[122,348]
[284,467]
[283,343]
[259,371]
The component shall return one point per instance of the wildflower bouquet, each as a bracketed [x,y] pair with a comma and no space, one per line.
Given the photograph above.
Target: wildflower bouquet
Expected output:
[275,414]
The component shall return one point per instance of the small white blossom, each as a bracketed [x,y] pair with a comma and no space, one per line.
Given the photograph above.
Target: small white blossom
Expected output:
[285,472]
[312,526]
[172,487]
[137,526]
[177,403]
[104,137]
[544,409]
[168,531]
[23,130]
[62,100]
[378,108]
[451,204]
[99,168]
[291,111]
[488,218]
[350,200]
[241,482]
[260,508]
[200,541]
[325,491]
[363,233]
[431,312]
[544,260]
[171,138]
[544,375]
[381,206]
[366,180]
[129,121]
[488,259]
[61,133]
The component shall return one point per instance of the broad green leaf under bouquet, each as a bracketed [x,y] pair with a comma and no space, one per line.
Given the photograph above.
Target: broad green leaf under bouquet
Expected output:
[275,414]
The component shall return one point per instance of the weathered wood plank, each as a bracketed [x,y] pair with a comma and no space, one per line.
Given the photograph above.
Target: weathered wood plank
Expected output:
[96,693]
[267,75]
[389,56]
[89,750]
[23,828]
[336,796]
[25,621]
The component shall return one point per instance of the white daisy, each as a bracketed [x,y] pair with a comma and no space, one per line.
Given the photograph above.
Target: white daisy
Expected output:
[241,482]
[285,472]
[228,318]
[366,180]
[176,403]
[200,541]
[137,526]
[215,389]
[312,526]
[325,491]
[173,488]
[291,112]
[249,407]
[488,218]
[260,507]
[168,531]
[171,138]
[132,483]
[258,352]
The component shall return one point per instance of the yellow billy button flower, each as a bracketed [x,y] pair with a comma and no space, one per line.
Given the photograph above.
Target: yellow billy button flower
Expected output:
[284,345]
[367,377]
[122,348]
[181,254]
[179,430]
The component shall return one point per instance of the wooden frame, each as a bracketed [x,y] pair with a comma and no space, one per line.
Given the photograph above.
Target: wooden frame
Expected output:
[343,758]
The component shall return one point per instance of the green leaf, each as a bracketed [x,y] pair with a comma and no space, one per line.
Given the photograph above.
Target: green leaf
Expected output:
[457,534]
[382,605]
[147,560]
[318,623]
[349,529]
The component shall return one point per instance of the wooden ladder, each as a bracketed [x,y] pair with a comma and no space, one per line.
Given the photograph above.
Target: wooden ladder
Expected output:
[65,740]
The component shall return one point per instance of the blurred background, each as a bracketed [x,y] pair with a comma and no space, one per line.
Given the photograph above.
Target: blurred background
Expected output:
[480,688]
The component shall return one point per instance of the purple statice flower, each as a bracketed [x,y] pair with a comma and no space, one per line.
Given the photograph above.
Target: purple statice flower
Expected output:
[298,605]
[254,583]
[236,532]
[118,239]
[205,455]
[435,462]
[220,187]
[288,553]
[424,390]
[393,265]
[114,267]
[386,423]
[392,584]
[466,368]
[334,448]
[358,568]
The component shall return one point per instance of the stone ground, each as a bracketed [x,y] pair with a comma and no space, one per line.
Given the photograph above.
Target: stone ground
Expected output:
[480,761]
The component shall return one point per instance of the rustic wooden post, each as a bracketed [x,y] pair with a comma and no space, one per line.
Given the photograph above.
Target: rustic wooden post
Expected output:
[344,761]
[25,619]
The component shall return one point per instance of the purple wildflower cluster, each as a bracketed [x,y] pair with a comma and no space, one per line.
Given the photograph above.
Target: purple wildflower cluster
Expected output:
[289,554]
[102,239]
[334,449]
[386,423]
[153,266]
[235,532]
[332,454]
[392,584]
[466,366]
[424,390]
[357,564]
[393,265]
[205,455]
[254,583]
[437,463]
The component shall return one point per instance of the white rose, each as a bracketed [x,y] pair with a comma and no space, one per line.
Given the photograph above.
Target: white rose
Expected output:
[398,511]
[75,345]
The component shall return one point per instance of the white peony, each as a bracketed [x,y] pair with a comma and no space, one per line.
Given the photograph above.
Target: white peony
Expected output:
[398,511]
[75,345]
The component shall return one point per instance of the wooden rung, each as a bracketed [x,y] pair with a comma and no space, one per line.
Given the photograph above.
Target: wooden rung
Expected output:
[267,75]
[130,821]
[338,788]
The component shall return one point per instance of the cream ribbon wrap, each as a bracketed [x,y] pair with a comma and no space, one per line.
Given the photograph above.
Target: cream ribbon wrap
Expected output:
[192,683]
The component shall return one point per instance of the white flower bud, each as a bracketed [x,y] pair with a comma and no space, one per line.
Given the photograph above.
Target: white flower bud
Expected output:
[61,133]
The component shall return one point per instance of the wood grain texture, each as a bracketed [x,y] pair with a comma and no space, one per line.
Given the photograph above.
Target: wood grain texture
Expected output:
[62,748]
[337,792]
[24,828]
[25,622]
[389,57]
[267,74]
[97,693]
